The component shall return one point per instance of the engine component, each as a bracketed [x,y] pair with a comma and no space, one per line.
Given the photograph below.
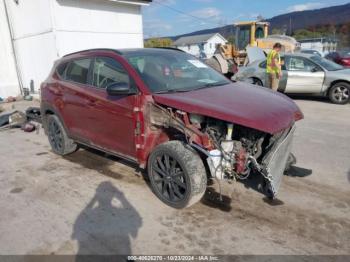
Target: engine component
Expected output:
[196,119]
[229,131]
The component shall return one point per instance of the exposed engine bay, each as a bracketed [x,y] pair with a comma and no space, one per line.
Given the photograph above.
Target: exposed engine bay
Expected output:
[233,152]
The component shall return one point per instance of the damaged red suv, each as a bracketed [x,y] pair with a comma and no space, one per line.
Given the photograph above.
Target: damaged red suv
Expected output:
[172,115]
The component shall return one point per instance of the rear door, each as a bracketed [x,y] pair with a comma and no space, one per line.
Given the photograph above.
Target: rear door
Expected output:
[111,118]
[304,76]
[73,89]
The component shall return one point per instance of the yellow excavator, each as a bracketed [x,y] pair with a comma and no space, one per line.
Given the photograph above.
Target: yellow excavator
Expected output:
[228,57]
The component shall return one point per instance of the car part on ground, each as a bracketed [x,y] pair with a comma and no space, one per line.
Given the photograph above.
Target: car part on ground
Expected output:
[34,114]
[12,120]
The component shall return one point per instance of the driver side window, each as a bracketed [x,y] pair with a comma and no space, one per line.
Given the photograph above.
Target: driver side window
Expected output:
[106,70]
[299,64]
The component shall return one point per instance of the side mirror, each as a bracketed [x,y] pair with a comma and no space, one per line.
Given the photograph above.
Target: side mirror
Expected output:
[315,69]
[118,88]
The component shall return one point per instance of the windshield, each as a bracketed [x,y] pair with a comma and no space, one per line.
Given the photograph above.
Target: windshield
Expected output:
[345,54]
[327,64]
[172,71]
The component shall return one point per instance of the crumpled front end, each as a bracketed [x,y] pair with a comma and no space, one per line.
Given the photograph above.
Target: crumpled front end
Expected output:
[232,151]
[275,161]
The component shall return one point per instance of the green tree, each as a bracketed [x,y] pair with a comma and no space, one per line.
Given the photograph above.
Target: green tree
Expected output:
[304,34]
[276,31]
[158,42]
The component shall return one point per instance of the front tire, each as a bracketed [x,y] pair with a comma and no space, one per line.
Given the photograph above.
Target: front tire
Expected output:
[340,93]
[60,143]
[177,174]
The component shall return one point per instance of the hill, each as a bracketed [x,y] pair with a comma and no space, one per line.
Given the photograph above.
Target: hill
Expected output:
[334,15]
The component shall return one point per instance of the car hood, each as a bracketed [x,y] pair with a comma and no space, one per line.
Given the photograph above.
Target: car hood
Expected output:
[343,73]
[255,53]
[247,105]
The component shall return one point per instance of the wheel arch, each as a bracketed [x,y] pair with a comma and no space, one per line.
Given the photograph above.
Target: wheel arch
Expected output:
[47,109]
[336,82]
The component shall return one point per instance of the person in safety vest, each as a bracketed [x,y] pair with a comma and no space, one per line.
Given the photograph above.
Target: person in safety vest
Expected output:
[273,67]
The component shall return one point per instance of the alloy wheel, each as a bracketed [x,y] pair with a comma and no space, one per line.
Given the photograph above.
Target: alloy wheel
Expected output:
[341,93]
[55,136]
[169,178]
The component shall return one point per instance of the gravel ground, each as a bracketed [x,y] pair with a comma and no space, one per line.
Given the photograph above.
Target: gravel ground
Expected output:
[90,203]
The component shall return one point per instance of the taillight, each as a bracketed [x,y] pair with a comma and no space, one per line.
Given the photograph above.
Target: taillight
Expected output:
[298,115]
[345,61]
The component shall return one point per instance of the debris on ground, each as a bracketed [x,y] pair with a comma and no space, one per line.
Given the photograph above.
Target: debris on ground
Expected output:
[28,127]
[28,98]
[10,99]
[33,114]
[12,120]
[4,119]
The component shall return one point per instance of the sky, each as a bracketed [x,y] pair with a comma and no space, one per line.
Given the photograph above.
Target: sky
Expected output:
[174,17]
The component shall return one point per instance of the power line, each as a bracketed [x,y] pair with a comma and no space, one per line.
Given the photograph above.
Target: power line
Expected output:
[189,15]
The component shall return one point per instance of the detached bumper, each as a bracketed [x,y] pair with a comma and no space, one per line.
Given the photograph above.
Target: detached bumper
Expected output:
[274,163]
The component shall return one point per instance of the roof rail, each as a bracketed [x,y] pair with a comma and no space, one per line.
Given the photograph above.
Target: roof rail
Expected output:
[94,49]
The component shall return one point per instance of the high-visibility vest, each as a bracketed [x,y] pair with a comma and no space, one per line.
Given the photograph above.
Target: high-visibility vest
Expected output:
[269,67]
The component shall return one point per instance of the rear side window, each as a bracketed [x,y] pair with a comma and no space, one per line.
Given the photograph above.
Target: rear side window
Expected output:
[61,69]
[106,71]
[78,70]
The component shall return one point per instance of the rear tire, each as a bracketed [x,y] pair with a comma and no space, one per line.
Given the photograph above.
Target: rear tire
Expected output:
[257,82]
[340,93]
[60,143]
[177,174]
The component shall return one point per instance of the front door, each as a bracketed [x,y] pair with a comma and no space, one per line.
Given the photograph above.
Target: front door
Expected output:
[303,75]
[111,118]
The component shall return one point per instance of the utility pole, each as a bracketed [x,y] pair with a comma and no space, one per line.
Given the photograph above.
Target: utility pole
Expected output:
[290,26]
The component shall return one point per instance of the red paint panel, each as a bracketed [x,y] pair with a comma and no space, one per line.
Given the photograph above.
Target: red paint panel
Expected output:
[250,106]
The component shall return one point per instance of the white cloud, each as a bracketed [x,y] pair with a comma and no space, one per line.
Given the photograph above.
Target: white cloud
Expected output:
[306,6]
[209,12]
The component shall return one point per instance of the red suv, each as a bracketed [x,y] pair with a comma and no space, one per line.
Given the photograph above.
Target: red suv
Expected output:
[171,114]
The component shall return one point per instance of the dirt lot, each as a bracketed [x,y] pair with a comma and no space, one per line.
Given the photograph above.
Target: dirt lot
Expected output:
[89,203]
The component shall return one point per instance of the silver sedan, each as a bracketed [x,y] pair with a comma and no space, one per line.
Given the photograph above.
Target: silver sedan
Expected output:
[303,74]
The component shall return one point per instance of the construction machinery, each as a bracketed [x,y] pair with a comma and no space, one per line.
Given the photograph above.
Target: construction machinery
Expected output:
[228,57]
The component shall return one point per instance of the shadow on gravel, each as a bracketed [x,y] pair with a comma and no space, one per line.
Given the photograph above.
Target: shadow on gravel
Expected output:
[212,199]
[97,160]
[107,224]
[295,171]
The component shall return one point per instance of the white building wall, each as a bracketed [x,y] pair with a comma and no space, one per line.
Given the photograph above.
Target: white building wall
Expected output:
[191,49]
[8,76]
[45,30]
[96,24]
[210,46]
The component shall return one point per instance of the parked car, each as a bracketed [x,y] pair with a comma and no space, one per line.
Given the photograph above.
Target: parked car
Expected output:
[341,58]
[172,115]
[303,74]
[311,52]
